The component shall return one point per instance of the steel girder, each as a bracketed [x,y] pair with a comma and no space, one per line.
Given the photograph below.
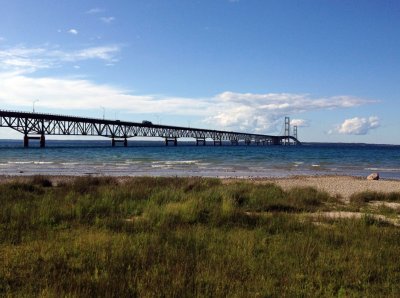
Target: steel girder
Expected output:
[48,124]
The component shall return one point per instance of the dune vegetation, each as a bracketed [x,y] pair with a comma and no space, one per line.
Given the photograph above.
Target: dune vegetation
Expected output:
[190,237]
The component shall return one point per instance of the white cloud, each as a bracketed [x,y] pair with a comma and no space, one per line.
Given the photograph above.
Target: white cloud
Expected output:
[228,110]
[299,122]
[358,126]
[103,53]
[73,31]
[67,94]
[21,58]
[107,20]
[262,112]
[95,10]
[31,59]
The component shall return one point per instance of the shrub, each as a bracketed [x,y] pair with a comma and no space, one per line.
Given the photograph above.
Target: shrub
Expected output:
[41,181]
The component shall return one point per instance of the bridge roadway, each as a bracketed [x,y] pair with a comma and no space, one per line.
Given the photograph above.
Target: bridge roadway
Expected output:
[38,125]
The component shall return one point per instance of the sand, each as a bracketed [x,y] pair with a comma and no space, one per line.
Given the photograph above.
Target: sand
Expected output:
[343,186]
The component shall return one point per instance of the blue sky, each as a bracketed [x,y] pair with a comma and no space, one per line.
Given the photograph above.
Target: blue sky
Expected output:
[332,66]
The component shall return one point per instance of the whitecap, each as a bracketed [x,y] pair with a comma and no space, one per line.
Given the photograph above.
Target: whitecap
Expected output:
[383,169]
[181,162]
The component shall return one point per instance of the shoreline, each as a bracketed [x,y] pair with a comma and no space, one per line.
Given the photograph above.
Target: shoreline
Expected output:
[335,185]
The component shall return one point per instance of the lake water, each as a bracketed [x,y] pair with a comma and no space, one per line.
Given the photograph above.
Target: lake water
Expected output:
[155,159]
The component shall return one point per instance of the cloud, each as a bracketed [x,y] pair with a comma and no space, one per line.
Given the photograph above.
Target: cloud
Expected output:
[103,53]
[230,111]
[28,60]
[73,31]
[23,58]
[251,112]
[358,126]
[95,10]
[107,20]
[262,112]
[18,90]
[299,122]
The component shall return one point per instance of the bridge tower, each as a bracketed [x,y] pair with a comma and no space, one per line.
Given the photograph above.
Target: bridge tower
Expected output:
[295,131]
[287,131]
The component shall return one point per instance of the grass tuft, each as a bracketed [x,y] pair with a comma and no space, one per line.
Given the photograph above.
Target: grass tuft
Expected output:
[368,196]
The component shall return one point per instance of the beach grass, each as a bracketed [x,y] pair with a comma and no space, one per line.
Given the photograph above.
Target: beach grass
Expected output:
[188,237]
[368,196]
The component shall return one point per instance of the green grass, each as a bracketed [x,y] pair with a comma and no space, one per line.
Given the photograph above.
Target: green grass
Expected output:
[368,196]
[186,237]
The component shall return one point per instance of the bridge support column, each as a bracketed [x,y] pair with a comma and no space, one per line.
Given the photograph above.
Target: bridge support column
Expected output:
[235,142]
[26,141]
[217,142]
[114,142]
[276,141]
[42,141]
[248,142]
[171,140]
[200,141]
[267,142]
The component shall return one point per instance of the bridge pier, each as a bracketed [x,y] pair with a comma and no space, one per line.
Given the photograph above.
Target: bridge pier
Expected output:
[247,142]
[42,140]
[115,141]
[200,141]
[171,140]
[217,142]
[267,142]
[26,141]
[235,142]
[276,141]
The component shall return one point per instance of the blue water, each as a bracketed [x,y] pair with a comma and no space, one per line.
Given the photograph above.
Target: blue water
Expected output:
[154,159]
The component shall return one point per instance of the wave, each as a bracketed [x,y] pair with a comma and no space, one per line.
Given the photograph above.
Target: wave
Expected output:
[181,162]
[383,169]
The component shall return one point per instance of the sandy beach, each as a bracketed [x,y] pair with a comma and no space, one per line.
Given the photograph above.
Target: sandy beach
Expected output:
[343,186]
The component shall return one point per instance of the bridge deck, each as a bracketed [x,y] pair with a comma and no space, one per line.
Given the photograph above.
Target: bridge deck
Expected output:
[31,124]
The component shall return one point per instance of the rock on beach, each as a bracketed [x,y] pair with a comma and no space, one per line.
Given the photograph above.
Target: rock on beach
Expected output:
[373,176]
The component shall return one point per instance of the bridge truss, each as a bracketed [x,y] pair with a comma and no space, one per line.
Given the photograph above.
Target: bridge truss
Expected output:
[37,126]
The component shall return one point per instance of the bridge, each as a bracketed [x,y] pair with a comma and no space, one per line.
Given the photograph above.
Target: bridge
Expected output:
[35,126]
